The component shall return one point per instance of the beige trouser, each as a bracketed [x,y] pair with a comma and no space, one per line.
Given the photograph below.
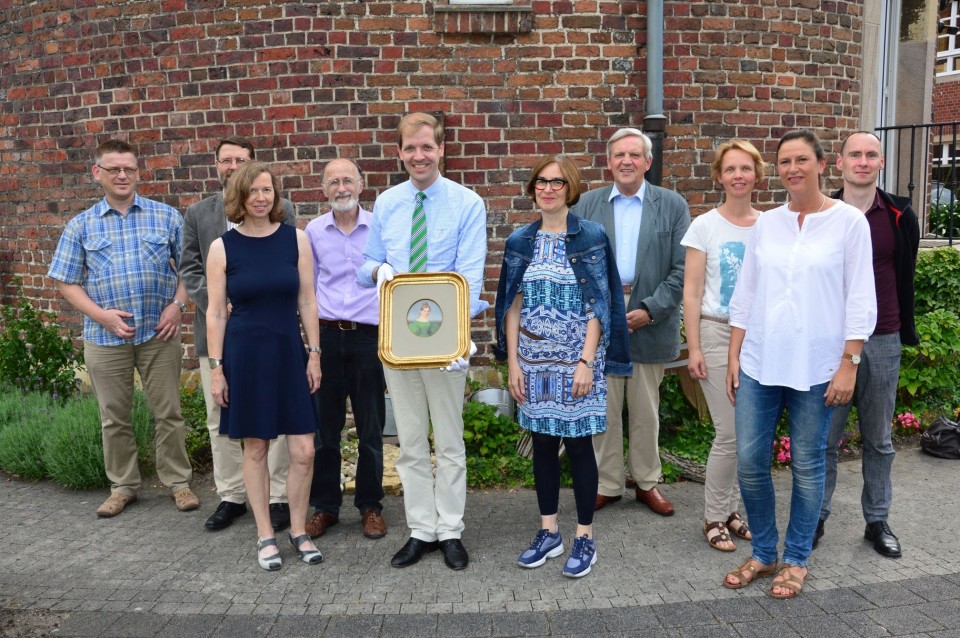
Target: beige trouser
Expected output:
[642,393]
[111,374]
[228,454]
[721,491]
[434,506]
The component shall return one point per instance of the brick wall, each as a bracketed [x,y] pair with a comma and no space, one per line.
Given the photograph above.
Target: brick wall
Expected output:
[946,99]
[311,81]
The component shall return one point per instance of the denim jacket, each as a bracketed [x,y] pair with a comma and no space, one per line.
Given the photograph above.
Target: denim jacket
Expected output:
[590,256]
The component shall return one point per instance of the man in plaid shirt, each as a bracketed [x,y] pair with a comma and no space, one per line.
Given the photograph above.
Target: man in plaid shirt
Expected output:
[117,263]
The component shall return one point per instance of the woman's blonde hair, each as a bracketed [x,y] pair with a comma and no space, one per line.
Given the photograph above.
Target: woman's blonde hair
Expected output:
[740,145]
[238,190]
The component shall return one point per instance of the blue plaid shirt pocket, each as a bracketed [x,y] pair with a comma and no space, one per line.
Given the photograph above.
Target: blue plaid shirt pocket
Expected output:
[156,247]
[99,254]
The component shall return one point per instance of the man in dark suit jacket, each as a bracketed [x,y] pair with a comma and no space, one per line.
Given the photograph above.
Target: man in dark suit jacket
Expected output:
[204,222]
[645,224]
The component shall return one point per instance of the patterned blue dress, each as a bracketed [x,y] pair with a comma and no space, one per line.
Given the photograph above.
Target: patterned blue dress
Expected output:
[553,327]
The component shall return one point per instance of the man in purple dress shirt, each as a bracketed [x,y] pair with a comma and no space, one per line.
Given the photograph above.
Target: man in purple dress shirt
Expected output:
[349,365]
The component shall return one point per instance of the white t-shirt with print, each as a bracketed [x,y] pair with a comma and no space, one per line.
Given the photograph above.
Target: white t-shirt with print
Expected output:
[725,245]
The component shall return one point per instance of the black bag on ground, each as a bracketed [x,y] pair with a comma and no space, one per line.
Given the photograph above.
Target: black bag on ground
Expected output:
[942,439]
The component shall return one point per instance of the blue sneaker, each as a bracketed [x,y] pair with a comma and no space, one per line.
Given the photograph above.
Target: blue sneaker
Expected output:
[544,546]
[582,557]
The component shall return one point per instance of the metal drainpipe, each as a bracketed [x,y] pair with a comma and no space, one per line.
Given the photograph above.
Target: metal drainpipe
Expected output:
[655,122]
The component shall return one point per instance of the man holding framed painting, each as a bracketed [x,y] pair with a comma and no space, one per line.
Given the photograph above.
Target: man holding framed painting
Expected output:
[428,224]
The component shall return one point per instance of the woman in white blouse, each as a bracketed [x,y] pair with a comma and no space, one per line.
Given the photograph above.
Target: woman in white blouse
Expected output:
[716,243]
[803,306]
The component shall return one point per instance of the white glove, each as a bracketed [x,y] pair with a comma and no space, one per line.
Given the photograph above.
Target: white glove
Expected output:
[385,273]
[460,364]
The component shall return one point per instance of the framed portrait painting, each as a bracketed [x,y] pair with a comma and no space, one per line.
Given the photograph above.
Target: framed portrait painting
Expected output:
[424,320]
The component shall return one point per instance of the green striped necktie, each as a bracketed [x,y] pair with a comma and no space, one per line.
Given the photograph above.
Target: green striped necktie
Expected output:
[418,237]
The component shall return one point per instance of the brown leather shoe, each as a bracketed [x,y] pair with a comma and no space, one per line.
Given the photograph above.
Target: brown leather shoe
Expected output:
[373,524]
[603,501]
[185,499]
[319,523]
[653,499]
[114,504]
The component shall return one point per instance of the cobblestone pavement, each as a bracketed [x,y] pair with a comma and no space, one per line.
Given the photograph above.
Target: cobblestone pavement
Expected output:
[154,571]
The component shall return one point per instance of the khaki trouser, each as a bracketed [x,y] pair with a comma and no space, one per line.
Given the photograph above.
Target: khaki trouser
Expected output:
[642,393]
[111,374]
[721,490]
[434,506]
[228,454]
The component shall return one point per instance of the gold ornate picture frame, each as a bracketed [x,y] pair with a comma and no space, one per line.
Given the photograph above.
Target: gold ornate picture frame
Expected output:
[424,320]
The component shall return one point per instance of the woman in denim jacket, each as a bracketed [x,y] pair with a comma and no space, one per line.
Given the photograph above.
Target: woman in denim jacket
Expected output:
[561,325]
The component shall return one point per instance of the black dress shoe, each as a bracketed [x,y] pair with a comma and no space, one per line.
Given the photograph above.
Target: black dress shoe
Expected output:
[413,551]
[883,539]
[224,515]
[818,534]
[279,516]
[454,553]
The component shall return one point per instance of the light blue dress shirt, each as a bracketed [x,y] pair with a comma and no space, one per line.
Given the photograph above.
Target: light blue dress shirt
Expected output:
[627,213]
[456,234]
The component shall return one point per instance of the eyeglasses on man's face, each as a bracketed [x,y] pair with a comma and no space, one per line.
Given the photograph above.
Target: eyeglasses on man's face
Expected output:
[555,184]
[113,172]
[227,161]
[346,182]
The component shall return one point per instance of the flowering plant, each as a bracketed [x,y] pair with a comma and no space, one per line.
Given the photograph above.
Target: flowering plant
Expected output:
[906,423]
[781,450]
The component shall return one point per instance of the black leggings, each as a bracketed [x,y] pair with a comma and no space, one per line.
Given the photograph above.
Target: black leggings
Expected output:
[546,473]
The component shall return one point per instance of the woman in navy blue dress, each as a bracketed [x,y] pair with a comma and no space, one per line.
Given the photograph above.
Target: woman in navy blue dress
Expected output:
[265,269]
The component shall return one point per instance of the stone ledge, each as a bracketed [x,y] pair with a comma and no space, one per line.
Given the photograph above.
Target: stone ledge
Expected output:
[468,18]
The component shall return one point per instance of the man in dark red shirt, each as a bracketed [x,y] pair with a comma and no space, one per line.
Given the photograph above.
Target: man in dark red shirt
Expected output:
[895,234]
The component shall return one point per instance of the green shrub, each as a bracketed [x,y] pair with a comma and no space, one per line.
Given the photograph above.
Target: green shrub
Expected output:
[73,450]
[491,444]
[937,282]
[143,432]
[34,356]
[15,407]
[940,219]
[928,372]
[194,411]
[22,445]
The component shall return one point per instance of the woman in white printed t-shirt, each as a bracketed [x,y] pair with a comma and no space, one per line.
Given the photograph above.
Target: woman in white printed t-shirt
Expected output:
[716,243]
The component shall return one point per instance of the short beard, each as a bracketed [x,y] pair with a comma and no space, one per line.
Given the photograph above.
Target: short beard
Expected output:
[344,207]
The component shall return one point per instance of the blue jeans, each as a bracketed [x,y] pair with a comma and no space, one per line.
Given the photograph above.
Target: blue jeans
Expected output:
[758,409]
[875,396]
[349,367]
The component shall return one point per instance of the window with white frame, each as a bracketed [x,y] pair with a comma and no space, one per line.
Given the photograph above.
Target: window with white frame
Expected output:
[948,40]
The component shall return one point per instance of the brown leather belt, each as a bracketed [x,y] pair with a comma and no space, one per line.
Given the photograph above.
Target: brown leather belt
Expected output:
[343,324]
[627,289]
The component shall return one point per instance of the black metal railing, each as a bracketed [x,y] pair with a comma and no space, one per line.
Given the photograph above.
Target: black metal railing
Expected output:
[923,163]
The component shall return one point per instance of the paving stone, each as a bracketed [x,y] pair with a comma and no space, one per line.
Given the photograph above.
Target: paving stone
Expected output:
[342,627]
[86,624]
[708,631]
[888,595]
[243,627]
[933,588]
[519,624]
[835,601]
[190,626]
[765,629]
[684,614]
[464,625]
[904,620]
[136,626]
[299,627]
[816,626]
[410,626]
[737,610]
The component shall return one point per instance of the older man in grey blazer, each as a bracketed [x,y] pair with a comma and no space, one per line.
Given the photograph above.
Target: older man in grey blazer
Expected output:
[204,222]
[645,224]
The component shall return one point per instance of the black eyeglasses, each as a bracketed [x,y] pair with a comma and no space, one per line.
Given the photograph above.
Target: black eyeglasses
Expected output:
[116,171]
[555,184]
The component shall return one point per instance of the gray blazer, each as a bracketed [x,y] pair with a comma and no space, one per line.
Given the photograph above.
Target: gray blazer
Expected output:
[659,271]
[204,222]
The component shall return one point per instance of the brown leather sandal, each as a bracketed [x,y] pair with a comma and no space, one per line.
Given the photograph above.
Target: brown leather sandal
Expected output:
[749,568]
[785,580]
[720,537]
[739,527]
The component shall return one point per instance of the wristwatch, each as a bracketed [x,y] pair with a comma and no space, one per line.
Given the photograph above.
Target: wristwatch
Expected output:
[852,358]
[589,364]
[215,363]
[182,306]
